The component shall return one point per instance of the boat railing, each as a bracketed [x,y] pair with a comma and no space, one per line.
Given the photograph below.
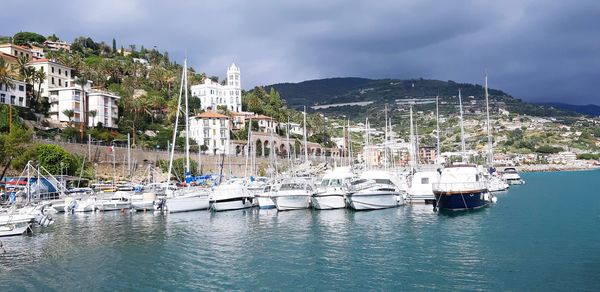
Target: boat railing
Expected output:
[366,185]
[459,186]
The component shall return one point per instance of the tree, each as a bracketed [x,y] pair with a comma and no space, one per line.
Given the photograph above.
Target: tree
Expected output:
[114,46]
[23,38]
[38,77]
[93,114]
[83,123]
[70,114]
[22,66]
[12,145]
[5,75]
[52,38]
[52,157]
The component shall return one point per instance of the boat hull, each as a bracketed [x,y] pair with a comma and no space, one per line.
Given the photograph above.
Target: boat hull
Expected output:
[329,201]
[231,204]
[265,202]
[187,204]
[462,201]
[373,200]
[142,205]
[292,202]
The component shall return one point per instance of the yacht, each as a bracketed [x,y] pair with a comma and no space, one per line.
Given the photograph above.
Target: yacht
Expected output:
[331,193]
[421,190]
[185,200]
[264,199]
[230,195]
[461,187]
[292,194]
[511,176]
[375,189]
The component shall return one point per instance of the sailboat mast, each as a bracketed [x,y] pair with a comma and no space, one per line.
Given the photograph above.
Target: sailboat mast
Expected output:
[175,129]
[437,121]
[462,127]
[349,145]
[287,134]
[248,148]
[489,127]
[305,141]
[412,147]
[187,121]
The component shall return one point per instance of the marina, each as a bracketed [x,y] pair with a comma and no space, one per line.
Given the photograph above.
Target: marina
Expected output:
[509,246]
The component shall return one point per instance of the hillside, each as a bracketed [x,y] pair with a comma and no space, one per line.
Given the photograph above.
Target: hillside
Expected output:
[590,109]
[388,91]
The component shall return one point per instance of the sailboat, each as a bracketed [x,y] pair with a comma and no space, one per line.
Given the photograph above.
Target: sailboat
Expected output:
[495,181]
[461,186]
[188,198]
[421,181]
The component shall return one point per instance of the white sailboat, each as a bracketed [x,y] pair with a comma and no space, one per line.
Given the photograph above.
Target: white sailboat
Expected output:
[188,199]
[495,182]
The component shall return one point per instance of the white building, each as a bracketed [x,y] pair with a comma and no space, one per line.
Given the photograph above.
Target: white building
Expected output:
[15,96]
[212,130]
[55,46]
[212,94]
[70,98]
[17,51]
[294,128]
[57,75]
[266,124]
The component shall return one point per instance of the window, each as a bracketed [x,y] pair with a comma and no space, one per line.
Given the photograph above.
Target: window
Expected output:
[59,82]
[424,180]
[20,100]
[206,133]
[59,71]
[53,80]
[21,88]
[2,98]
[214,122]
[67,73]
[52,69]
[12,99]
[206,142]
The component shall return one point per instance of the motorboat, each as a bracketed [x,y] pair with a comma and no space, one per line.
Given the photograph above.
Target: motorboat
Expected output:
[264,199]
[292,194]
[230,195]
[375,189]
[461,187]
[421,190]
[331,192]
[511,176]
[118,202]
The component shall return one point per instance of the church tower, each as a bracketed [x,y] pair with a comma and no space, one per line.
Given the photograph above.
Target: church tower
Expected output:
[235,87]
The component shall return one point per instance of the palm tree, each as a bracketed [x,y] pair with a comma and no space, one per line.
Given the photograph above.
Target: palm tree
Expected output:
[93,114]
[39,76]
[5,75]
[70,114]
[22,65]
[82,81]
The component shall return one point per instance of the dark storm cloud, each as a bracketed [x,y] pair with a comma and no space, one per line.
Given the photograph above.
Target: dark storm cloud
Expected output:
[535,50]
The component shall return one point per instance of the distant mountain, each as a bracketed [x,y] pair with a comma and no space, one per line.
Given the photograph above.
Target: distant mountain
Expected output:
[379,92]
[590,109]
[351,89]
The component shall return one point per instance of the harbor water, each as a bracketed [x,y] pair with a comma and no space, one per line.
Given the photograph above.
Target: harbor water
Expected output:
[544,235]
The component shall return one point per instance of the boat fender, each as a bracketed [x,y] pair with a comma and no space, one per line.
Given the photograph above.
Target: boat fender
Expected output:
[494,199]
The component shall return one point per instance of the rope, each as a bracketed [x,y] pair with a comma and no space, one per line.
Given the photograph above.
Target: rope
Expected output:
[465,202]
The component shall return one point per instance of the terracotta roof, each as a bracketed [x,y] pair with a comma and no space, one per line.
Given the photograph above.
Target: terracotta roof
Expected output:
[262,117]
[40,60]
[212,115]
[7,55]
[238,114]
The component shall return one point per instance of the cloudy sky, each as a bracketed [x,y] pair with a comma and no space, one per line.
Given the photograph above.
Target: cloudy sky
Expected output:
[537,50]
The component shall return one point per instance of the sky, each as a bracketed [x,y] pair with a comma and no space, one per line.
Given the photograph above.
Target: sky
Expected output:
[536,50]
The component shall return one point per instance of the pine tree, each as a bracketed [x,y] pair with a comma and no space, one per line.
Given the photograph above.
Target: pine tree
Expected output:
[114,46]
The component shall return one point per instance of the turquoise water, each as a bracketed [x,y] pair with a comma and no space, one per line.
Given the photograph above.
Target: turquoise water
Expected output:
[544,235]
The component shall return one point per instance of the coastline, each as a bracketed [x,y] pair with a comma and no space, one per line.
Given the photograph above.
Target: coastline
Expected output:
[556,167]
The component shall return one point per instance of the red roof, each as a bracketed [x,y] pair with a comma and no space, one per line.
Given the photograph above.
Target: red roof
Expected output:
[212,115]
[262,117]
[7,55]
[42,60]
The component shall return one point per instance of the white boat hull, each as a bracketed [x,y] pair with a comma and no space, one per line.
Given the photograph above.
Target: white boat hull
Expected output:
[187,204]
[143,205]
[372,200]
[231,204]
[328,202]
[109,206]
[292,202]
[265,202]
